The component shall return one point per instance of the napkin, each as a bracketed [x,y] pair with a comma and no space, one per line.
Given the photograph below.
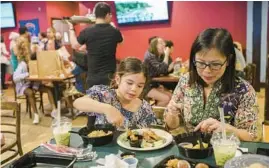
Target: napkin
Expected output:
[111,161]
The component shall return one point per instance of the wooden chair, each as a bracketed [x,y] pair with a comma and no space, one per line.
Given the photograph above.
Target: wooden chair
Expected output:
[250,73]
[11,130]
[38,97]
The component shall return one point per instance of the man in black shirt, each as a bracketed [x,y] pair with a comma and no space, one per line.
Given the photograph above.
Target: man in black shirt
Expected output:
[101,42]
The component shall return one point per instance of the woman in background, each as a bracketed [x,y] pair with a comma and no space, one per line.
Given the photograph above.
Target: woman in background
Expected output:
[157,61]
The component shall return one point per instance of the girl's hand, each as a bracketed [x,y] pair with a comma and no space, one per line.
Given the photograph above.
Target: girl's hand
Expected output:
[114,116]
[208,125]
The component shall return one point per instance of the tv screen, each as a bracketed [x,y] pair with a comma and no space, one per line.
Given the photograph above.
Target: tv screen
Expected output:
[141,11]
[7,15]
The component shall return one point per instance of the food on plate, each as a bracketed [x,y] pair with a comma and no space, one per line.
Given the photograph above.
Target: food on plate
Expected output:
[183,164]
[176,163]
[190,145]
[197,146]
[98,133]
[172,163]
[145,139]
[201,165]
[256,165]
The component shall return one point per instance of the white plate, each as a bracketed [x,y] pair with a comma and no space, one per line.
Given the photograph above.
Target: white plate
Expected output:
[125,144]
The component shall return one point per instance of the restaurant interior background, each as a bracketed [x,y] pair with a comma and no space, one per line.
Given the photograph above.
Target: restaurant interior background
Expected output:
[185,21]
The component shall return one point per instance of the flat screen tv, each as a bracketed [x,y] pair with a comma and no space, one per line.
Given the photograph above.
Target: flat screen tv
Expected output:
[7,15]
[141,11]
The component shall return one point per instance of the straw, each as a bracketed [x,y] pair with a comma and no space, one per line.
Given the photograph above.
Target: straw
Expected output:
[222,123]
[58,113]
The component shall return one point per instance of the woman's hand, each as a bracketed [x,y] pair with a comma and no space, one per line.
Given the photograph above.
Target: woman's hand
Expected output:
[173,107]
[208,125]
[167,51]
[114,116]
[71,26]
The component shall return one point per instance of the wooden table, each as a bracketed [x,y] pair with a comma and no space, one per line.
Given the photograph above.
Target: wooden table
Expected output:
[55,81]
[166,79]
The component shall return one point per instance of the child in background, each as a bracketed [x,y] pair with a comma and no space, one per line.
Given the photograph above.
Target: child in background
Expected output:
[24,87]
[120,103]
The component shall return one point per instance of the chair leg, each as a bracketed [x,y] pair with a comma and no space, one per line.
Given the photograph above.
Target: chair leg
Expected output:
[28,107]
[41,105]
[20,148]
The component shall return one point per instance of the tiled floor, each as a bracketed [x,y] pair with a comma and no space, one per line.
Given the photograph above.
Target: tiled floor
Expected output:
[33,135]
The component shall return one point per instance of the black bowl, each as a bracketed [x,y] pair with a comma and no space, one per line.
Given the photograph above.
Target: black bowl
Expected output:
[97,141]
[125,154]
[193,137]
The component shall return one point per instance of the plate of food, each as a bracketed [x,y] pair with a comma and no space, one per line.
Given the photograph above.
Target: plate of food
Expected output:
[144,139]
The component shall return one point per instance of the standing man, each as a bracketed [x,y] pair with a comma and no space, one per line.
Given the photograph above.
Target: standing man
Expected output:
[101,42]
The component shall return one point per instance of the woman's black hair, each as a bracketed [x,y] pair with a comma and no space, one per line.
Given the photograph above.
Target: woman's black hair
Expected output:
[221,40]
[2,39]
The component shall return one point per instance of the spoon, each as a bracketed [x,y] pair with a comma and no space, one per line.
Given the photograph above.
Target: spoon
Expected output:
[200,141]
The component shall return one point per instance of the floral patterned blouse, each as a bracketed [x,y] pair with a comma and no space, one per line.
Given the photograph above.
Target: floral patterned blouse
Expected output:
[240,108]
[143,117]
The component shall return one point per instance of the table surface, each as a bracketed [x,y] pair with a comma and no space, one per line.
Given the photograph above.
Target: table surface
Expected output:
[58,79]
[165,79]
[147,159]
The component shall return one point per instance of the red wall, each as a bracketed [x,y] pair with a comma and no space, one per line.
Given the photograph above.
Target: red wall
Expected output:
[187,20]
[60,9]
[24,11]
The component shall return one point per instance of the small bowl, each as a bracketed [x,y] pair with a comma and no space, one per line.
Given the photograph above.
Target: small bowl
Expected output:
[127,154]
[192,137]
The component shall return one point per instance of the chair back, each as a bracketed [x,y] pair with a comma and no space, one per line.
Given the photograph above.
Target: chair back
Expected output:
[11,128]
[250,73]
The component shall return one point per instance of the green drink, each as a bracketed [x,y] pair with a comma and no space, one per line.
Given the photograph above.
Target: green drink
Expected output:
[61,132]
[224,149]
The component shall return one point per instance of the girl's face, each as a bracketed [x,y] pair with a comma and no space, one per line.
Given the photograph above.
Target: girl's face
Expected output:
[210,65]
[130,86]
[50,34]
[160,46]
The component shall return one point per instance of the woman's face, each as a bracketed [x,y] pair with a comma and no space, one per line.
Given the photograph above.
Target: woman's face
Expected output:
[50,34]
[217,65]
[130,86]
[160,46]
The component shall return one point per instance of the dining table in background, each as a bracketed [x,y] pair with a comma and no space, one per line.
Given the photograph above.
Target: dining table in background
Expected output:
[56,84]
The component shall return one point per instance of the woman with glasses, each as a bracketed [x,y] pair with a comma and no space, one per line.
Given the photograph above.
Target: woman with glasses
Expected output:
[211,83]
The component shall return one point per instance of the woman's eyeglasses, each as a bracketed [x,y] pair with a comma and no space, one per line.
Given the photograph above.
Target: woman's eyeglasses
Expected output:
[212,66]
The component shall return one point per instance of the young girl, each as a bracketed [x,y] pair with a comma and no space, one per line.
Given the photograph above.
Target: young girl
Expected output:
[26,87]
[120,102]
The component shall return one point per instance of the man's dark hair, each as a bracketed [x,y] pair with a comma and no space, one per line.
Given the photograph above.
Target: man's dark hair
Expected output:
[169,43]
[43,34]
[101,9]
[151,38]
[23,30]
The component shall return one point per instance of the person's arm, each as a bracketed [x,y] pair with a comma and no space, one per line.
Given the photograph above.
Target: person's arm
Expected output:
[4,49]
[156,68]
[88,104]
[175,106]
[73,39]
[166,55]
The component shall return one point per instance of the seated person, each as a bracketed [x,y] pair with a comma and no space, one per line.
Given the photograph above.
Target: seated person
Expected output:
[211,83]
[24,87]
[157,61]
[120,104]
[240,61]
